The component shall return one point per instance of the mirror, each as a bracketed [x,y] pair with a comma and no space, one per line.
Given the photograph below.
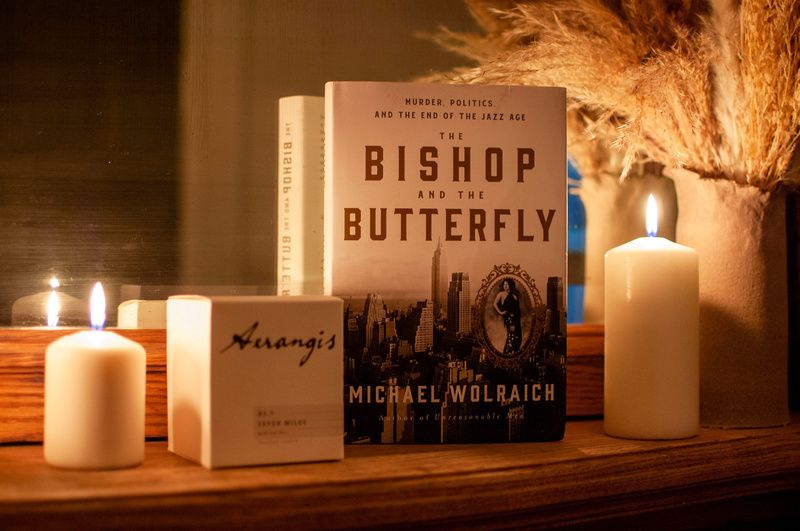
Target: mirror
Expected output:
[138,139]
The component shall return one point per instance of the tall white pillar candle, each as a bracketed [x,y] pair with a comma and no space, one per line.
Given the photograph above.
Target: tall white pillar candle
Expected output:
[94,398]
[651,338]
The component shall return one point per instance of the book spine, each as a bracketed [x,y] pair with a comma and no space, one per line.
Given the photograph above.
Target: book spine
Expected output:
[328,189]
[300,195]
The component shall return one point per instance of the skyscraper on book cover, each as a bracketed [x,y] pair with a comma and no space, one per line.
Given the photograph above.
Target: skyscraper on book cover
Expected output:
[423,341]
[459,305]
[439,282]
[374,314]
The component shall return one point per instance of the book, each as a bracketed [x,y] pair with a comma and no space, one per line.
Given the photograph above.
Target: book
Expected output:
[445,235]
[300,195]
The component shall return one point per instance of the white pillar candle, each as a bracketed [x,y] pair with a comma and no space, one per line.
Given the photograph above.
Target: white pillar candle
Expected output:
[49,308]
[651,338]
[94,398]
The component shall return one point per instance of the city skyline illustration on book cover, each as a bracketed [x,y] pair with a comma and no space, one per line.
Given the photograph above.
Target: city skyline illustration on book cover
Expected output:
[445,235]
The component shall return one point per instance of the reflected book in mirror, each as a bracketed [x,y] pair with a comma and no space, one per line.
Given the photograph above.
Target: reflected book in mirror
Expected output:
[445,234]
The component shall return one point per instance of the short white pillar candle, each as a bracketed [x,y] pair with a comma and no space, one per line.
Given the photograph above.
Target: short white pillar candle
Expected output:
[94,398]
[651,338]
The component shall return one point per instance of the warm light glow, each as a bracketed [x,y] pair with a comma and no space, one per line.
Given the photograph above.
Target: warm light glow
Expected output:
[54,283]
[98,307]
[652,216]
[53,307]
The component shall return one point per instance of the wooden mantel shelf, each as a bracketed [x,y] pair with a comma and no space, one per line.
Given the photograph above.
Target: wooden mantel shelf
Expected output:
[22,377]
[586,479]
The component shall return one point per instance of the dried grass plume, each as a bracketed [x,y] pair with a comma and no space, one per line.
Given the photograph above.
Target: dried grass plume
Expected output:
[710,86]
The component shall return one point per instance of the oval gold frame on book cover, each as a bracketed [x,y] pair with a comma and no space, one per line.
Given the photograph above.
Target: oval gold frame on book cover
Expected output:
[508,342]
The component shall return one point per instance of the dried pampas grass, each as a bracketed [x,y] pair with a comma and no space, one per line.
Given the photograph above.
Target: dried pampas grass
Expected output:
[770,72]
[710,86]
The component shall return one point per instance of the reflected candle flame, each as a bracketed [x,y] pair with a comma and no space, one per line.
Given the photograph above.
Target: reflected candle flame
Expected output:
[54,283]
[53,307]
[651,217]
[98,307]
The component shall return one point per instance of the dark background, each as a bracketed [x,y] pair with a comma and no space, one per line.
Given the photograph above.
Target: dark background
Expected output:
[137,139]
[88,136]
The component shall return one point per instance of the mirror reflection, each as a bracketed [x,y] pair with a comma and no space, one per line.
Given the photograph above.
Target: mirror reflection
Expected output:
[138,139]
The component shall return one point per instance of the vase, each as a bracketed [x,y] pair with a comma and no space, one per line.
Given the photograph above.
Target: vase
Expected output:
[739,233]
[615,214]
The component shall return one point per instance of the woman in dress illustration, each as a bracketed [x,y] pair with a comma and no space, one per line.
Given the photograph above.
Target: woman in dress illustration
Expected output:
[507,305]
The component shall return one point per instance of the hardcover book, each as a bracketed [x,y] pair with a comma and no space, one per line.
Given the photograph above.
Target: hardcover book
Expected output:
[300,188]
[445,234]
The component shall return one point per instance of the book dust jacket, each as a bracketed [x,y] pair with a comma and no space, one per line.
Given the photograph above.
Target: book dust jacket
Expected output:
[445,235]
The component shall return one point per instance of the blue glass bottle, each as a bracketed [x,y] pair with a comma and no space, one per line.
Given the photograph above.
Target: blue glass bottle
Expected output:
[576,244]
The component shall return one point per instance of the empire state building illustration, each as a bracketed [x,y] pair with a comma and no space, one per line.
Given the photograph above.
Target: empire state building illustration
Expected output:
[439,282]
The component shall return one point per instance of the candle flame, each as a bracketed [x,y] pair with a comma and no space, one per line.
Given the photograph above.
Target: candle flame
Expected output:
[98,307]
[54,283]
[651,218]
[53,307]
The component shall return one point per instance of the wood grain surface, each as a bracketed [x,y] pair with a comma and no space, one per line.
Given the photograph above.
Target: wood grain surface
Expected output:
[584,370]
[22,378]
[717,478]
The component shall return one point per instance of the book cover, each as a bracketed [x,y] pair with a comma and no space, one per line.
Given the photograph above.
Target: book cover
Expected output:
[300,188]
[445,234]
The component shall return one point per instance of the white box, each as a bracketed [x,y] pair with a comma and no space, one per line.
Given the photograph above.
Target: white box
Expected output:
[142,314]
[255,380]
